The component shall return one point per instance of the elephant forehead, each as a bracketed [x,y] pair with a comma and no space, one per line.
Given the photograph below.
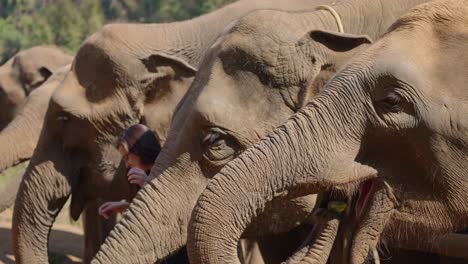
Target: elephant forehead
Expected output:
[70,95]
[436,67]
[224,110]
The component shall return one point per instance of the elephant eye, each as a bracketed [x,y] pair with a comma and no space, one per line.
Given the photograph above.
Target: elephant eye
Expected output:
[211,137]
[392,102]
[218,146]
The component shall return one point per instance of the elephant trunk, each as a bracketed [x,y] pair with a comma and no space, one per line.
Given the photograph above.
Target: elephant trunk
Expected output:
[314,151]
[319,244]
[155,225]
[42,194]
[19,138]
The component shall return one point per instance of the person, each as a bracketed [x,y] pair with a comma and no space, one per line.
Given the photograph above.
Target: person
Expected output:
[139,148]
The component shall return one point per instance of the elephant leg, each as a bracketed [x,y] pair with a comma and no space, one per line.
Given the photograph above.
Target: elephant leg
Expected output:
[96,229]
[319,243]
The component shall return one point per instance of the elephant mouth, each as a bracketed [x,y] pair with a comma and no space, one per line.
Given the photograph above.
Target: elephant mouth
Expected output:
[352,202]
[365,191]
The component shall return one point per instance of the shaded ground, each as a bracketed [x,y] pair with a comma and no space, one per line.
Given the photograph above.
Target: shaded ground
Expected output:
[66,239]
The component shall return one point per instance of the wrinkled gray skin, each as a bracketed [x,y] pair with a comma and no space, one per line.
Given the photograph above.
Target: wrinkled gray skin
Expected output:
[122,75]
[23,73]
[19,138]
[394,116]
[260,72]
[19,77]
[21,134]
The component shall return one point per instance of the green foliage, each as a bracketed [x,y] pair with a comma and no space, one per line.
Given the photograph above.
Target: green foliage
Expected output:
[66,23]
[171,10]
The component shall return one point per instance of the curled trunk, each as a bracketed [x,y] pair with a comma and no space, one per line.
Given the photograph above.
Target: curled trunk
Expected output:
[169,200]
[312,152]
[41,196]
[318,246]
[19,138]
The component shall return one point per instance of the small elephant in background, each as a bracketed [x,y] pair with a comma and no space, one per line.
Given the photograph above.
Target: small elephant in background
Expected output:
[19,138]
[23,73]
[22,107]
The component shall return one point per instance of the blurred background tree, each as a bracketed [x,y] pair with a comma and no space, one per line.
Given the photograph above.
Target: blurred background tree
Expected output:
[66,23]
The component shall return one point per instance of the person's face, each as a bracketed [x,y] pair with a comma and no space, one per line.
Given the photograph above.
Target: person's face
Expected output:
[131,160]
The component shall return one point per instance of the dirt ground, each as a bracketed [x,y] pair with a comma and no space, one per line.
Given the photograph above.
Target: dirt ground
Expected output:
[66,239]
[65,245]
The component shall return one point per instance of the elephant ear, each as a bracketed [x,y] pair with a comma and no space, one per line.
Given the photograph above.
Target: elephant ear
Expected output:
[165,83]
[328,51]
[162,66]
[32,75]
[338,42]
[38,78]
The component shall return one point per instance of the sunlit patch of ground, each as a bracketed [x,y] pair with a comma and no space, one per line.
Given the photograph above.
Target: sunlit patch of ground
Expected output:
[66,239]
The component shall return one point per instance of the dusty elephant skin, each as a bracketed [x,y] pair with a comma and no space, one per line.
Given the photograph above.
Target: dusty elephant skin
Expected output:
[122,75]
[252,79]
[19,138]
[392,125]
[23,73]
[20,76]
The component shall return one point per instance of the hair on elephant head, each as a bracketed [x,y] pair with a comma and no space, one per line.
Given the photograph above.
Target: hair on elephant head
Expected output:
[387,130]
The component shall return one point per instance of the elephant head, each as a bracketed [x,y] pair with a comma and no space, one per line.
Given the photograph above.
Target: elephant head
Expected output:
[246,85]
[122,75]
[107,89]
[23,106]
[23,73]
[19,138]
[389,129]
[260,72]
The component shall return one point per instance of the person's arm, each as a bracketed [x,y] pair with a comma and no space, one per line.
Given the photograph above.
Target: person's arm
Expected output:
[109,208]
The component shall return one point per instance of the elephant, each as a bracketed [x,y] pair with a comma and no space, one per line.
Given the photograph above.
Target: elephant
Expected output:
[389,131]
[262,70]
[21,134]
[23,73]
[19,77]
[122,75]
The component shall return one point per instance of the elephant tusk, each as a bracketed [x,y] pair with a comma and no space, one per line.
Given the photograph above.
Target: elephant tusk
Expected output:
[375,255]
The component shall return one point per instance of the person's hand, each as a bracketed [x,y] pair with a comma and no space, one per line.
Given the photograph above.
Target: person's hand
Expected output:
[137,176]
[109,208]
